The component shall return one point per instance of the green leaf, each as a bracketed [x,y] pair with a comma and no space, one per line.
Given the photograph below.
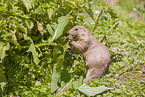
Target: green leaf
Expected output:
[112,13]
[23,29]
[69,3]
[96,22]
[34,53]
[49,12]
[40,27]
[23,16]
[3,48]
[17,44]
[65,48]
[58,50]
[65,76]
[54,25]
[92,91]
[27,3]
[28,38]
[56,75]
[77,82]
[29,24]
[50,30]
[74,83]
[2,76]
[89,11]
[58,61]
[62,22]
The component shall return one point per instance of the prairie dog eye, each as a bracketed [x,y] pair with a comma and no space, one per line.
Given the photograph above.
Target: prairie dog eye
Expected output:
[76,29]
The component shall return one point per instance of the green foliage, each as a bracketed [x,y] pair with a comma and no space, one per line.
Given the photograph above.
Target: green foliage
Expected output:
[34,55]
[58,56]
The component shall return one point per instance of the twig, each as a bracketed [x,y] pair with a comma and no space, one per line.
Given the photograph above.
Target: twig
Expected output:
[97,20]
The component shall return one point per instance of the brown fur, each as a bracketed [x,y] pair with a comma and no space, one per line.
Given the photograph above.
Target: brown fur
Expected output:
[96,54]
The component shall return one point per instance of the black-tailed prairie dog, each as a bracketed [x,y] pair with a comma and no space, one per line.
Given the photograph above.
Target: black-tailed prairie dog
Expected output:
[96,54]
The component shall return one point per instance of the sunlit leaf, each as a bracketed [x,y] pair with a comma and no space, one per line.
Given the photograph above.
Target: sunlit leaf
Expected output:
[49,12]
[50,30]
[28,3]
[26,37]
[76,82]
[29,24]
[13,36]
[92,91]
[54,25]
[34,53]
[62,22]
[40,27]
[3,48]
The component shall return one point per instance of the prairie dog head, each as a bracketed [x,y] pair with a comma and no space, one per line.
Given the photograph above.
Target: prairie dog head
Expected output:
[78,32]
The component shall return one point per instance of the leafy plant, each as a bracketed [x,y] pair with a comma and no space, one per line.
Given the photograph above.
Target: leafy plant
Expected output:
[34,54]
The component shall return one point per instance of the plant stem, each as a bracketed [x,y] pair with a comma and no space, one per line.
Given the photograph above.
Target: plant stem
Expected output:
[97,20]
[41,44]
